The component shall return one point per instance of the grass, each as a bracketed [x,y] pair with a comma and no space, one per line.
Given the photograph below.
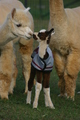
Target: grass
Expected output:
[16,109]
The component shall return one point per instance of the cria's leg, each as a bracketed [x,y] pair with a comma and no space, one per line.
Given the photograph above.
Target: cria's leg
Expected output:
[48,101]
[28,99]
[30,84]
[46,89]
[26,51]
[38,88]
[71,72]
[59,62]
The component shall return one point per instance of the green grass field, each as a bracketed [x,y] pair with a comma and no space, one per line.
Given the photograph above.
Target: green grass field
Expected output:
[16,109]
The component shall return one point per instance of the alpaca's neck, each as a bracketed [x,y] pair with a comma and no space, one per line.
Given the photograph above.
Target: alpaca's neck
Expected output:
[57,12]
[5,34]
[42,48]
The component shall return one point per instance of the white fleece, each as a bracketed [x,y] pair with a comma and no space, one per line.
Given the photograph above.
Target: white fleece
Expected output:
[48,101]
[28,99]
[38,88]
[42,48]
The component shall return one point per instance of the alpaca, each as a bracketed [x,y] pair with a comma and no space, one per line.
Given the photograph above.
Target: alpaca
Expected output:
[65,45]
[42,64]
[16,23]
[13,27]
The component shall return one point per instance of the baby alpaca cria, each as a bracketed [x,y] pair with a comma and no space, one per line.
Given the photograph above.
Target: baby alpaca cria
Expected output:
[41,66]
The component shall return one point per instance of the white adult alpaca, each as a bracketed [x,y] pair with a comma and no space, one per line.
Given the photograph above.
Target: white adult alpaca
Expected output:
[14,27]
[15,22]
[65,45]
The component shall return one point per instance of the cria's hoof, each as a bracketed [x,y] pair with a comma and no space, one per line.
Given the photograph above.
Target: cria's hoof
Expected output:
[28,102]
[34,105]
[52,107]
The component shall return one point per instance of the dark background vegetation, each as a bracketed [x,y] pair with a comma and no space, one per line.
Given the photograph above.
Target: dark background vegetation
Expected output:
[40,10]
[15,108]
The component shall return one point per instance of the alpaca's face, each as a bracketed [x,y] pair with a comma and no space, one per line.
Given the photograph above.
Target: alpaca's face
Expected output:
[21,23]
[43,35]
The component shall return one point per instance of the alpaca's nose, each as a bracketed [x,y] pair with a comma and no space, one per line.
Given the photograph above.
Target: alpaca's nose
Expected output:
[34,36]
[31,33]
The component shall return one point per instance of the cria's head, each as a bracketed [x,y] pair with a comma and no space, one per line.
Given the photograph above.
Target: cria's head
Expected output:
[43,35]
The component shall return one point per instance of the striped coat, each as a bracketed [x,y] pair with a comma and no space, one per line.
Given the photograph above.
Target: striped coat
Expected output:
[45,65]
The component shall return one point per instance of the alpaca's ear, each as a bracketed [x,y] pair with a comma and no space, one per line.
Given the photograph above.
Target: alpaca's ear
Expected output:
[27,9]
[51,32]
[13,12]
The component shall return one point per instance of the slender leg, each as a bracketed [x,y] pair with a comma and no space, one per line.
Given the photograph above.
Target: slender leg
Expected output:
[38,88]
[61,85]
[26,51]
[48,102]
[59,62]
[46,89]
[30,84]
[71,73]
[28,99]
[14,76]
[6,69]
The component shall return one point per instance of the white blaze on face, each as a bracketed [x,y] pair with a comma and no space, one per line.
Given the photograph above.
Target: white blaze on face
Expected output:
[43,30]
[42,45]
[42,37]
[42,48]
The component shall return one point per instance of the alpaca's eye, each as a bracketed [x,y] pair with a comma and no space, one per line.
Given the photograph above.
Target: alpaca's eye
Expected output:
[18,25]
